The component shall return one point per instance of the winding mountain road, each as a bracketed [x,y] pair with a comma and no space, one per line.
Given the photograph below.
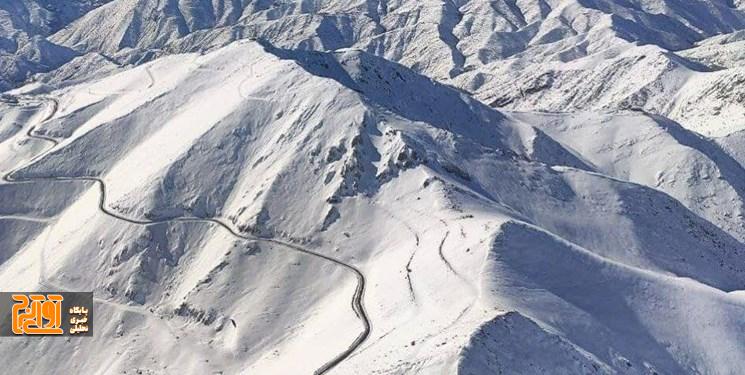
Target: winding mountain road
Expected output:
[359,293]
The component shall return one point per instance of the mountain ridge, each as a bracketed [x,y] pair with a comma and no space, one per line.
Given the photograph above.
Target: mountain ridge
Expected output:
[384,187]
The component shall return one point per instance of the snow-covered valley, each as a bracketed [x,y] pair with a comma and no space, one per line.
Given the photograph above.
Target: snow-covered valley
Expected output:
[378,187]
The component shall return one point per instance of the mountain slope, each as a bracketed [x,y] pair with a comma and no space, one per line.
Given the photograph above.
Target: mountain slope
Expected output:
[525,55]
[224,228]
[24,26]
[388,187]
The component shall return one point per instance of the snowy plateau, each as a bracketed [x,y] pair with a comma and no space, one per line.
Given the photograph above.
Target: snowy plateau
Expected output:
[377,186]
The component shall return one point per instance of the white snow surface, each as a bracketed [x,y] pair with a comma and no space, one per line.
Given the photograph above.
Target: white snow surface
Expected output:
[378,187]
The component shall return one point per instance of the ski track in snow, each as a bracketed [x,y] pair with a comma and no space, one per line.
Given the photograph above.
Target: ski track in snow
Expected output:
[407,269]
[442,256]
[357,299]
[473,288]
[27,218]
[150,84]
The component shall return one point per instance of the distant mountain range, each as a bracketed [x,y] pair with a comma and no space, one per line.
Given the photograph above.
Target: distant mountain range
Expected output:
[378,187]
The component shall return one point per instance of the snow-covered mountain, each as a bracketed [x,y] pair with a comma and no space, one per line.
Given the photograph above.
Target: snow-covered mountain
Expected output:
[24,28]
[378,187]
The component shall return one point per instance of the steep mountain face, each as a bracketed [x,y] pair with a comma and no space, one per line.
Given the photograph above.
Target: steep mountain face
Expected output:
[24,26]
[384,187]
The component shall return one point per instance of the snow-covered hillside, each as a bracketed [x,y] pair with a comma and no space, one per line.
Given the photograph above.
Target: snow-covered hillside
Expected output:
[380,187]
[24,26]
